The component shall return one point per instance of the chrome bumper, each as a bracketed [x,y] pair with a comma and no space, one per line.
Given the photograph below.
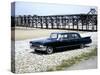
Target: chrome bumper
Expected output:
[38,48]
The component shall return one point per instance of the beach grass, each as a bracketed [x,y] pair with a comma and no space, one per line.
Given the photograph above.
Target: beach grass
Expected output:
[74,60]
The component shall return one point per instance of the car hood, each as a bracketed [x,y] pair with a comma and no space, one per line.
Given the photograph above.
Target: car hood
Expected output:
[43,41]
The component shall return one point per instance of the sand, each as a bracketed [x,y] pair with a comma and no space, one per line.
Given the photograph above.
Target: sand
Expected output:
[30,33]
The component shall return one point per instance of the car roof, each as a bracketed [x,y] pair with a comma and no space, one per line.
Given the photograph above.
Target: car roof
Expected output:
[64,33]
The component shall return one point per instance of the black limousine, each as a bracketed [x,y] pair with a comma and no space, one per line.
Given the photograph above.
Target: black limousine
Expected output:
[60,40]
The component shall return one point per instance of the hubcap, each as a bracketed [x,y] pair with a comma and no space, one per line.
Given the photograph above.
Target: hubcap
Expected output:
[82,46]
[49,50]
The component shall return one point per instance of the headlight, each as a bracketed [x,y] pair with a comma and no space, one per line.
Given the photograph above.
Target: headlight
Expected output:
[41,46]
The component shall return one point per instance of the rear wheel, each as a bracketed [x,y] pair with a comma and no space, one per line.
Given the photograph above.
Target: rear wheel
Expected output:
[49,50]
[82,46]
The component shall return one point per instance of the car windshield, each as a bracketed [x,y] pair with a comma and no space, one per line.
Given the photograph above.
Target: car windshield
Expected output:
[54,35]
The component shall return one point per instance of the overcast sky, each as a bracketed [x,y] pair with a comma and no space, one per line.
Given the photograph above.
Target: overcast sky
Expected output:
[30,8]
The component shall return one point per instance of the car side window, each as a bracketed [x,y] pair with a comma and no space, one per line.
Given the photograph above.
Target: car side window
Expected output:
[65,37]
[74,36]
[59,37]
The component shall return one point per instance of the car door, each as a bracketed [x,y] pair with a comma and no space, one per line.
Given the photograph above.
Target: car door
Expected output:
[71,40]
[65,40]
[75,39]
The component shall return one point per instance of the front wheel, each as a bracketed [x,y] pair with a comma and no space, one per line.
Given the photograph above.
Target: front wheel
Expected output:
[35,50]
[49,50]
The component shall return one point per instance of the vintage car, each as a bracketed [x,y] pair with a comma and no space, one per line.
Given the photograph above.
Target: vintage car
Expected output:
[60,40]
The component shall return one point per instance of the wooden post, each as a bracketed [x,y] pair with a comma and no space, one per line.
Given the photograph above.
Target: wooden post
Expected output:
[69,21]
[19,20]
[62,21]
[33,21]
[36,21]
[52,22]
[77,20]
[24,20]
[86,22]
[82,23]
[73,22]
[96,22]
[16,21]
[56,21]
[28,20]
[43,19]
[41,22]
[46,22]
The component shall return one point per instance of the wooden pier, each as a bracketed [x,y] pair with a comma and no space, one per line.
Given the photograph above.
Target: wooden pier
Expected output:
[79,22]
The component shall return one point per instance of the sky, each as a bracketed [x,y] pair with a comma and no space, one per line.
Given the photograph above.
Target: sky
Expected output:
[30,8]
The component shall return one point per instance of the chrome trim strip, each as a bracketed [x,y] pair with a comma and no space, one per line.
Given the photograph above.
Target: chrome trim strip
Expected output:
[68,46]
